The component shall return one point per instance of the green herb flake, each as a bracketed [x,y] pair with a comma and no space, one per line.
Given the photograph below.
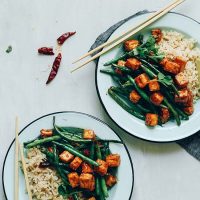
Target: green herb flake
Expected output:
[9,49]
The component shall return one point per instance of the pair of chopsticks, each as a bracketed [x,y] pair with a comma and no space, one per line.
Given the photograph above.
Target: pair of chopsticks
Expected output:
[116,41]
[20,147]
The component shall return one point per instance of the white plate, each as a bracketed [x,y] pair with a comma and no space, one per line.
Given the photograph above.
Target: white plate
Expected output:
[129,123]
[122,190]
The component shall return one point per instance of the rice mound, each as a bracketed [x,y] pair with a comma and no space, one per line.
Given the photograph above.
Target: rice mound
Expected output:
[44,182]
[175,44]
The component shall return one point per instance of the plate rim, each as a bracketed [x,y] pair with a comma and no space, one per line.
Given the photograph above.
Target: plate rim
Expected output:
[139,13]
[72,112]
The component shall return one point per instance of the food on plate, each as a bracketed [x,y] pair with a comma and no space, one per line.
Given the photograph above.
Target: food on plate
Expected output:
[156,80]
[70,163]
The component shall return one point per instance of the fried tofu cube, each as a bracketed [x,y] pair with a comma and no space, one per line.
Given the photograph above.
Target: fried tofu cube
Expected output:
[157,34]
[151,119]
[154,85]
[133,63]
[163,61]
[156,98]
[73,179]
[129,45]
[189,110]
[66,156]
[46,132]
[142,80]
[172,67]
[92,198]
[87,181]
[164,115]
[134,96]
[111,180]
[88,134]
[102,168]
[113,160]
[180,61]
[86,168]
[181,81]
[189,102]
[75,164]
[183,96]
[121,63]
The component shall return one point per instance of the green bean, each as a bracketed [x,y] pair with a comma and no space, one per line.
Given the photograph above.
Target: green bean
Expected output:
[119,101]
[98,152]
[43,141]
[70,138]
[123,56]
[103,186]
[109,71]
[174,112]
[70,129]
[148,72]
[97,186]
[122,68]
[77,153]
[92,146]
[137,107]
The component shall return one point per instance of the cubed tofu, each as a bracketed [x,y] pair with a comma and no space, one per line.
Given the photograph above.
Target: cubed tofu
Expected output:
[113,160]
[142,80]
[154,85]
[164,115]
[180,61]
[156,98]
[46,132]
[92,198]
[133,63]
[111,180]
[75,164]
[73,179]
[181,81]
[66,156]
[183,96]
[157,34]
[102,168]
[86,168]
[188,110]
[134,96]
[88,134]
[151,119]
[121,63]
[129,45]
[87,181]
[163,61]
[189,102]
[172,67]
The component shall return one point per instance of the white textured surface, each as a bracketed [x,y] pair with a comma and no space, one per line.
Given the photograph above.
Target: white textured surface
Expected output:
[162,171]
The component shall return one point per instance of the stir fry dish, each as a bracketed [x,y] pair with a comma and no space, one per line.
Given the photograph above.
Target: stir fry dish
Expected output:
[151,82]
[71,163]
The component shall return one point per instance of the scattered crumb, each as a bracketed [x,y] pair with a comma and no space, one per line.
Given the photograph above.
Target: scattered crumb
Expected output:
[9,49]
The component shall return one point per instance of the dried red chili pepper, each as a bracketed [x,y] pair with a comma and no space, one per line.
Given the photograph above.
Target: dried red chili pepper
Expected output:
[64,37]
[55,67]
[46,51]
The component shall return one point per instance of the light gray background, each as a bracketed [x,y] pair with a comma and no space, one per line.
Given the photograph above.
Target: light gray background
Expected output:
[162,171]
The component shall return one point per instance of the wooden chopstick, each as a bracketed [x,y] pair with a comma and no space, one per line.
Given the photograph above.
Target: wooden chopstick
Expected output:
[123,34]
[148,22]
[25,171]
[16,159]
